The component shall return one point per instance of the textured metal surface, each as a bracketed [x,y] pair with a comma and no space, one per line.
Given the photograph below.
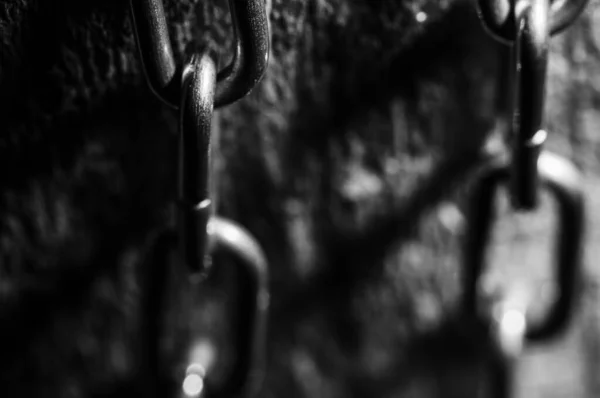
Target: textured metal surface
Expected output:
[499,19]
[250,56]
[563,182]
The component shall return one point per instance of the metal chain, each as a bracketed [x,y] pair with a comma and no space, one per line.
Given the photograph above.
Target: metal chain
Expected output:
[250,56]
[195,202]
[195,89]
[511,328]
[527,26]
[563,181]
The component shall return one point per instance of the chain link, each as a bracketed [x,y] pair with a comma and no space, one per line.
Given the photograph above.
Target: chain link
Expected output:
[563,181]
[196,92]
[250,55]
[530,61]
[246,377]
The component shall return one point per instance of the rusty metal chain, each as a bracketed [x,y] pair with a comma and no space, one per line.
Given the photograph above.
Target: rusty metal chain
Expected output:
[563,181]
[196,88]
[512,328]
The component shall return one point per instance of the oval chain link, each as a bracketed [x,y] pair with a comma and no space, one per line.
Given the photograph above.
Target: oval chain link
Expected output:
[250,55]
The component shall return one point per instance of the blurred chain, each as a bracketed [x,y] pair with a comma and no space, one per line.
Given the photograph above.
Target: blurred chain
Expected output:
[563,181]
[250,55]
[526,26]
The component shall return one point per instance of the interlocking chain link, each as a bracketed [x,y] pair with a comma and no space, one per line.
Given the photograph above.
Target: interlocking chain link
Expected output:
[527,26]
[196,88]
[250,56]
[251,314]
[195,92]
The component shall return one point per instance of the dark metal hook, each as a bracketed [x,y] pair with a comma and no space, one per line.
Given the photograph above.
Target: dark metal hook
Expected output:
[195,204]
[229,237]
[563,181]
[250,58]
[530,60]
[498,16]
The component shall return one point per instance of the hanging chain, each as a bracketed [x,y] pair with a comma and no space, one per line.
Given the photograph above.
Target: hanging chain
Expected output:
[530,57]
[250,56]
[196,89]
[248,371]
[563,181]
[527,26]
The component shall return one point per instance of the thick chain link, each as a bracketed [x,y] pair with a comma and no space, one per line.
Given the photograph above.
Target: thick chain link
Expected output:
[196,200]
[530,58]
[527,26]
[563,181]
[195,92]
